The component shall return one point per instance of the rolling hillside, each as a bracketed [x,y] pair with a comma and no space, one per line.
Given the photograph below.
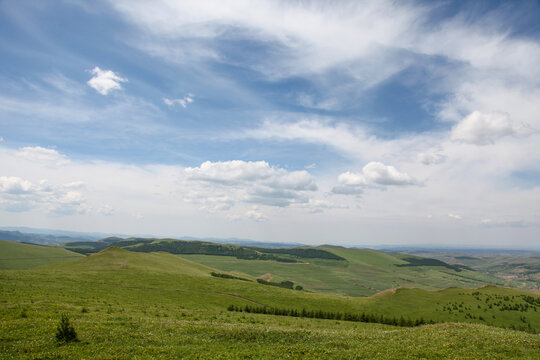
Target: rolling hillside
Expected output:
[157,305]
[361,273]
[15,255]
[330,269]
[521,270]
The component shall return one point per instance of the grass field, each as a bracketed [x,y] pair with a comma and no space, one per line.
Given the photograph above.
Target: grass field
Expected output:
[364,273]
[518,271]
[139,305]
[15,255]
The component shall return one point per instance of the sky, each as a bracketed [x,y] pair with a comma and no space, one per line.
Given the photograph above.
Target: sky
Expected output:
[356,123]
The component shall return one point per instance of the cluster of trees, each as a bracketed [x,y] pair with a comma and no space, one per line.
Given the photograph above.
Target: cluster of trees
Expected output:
[204,248]
[412,261]
[319,314]
[531,300]
[307,253]
[201,248]
[516,307]
[284,284]
[227,276]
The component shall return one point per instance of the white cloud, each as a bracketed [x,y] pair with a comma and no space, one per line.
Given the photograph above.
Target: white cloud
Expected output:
[17,194]
[454,216]
[376,173]
[350,140]
[188,99]
[255,215]
[14,185]
[105,81]
[485,128]
[316,206]
[42,155]
[210,201]
[231,172]
[251,182]
[69,203]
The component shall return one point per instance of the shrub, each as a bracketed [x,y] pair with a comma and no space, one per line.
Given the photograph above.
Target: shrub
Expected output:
[23,314]
[65,332]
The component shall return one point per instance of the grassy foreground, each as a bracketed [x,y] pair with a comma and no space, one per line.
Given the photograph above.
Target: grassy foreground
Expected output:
[159,306]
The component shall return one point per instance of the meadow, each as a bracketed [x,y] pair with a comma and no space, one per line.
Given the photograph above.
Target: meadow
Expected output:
[127,305]
[330,269]
[14,255]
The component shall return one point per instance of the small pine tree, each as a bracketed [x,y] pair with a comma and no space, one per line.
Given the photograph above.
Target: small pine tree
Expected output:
[65,332]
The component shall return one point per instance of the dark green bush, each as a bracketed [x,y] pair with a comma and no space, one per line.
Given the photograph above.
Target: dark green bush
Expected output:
[65,332]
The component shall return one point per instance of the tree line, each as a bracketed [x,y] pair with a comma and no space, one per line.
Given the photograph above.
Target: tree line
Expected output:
[331,315]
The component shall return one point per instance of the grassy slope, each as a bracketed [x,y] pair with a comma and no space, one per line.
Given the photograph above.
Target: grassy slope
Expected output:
[15,255]
[520,272]
[365,272]
[159,306]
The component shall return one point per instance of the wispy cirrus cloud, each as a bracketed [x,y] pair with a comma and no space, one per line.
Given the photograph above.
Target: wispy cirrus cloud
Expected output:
[184,102]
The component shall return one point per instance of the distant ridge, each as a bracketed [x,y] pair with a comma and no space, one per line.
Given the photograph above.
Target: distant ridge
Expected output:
[50,236]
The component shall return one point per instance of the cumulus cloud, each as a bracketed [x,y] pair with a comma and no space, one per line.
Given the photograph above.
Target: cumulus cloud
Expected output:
[485,128]
[374,174]
[251,182]
[105,81]
[15,186]
[42,155]
[188,99]
[17,194]
[454,216]
[68,203]
[378,174]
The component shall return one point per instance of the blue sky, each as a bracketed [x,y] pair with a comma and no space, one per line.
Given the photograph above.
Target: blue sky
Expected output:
[347,122]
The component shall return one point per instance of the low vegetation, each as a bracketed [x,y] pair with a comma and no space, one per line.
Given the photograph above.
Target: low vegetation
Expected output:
[330,315]
[15,255]
[159,306]
[65,332]
[228,276]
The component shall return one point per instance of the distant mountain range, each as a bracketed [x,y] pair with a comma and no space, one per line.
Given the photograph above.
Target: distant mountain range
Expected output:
[51,237]
[416,249]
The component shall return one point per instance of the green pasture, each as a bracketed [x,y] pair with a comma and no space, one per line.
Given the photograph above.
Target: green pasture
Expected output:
[127,305]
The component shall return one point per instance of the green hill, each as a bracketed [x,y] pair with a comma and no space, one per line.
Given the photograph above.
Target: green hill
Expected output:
[519,270]
[330,269]
[361,273]
[158,306]
[15,255]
